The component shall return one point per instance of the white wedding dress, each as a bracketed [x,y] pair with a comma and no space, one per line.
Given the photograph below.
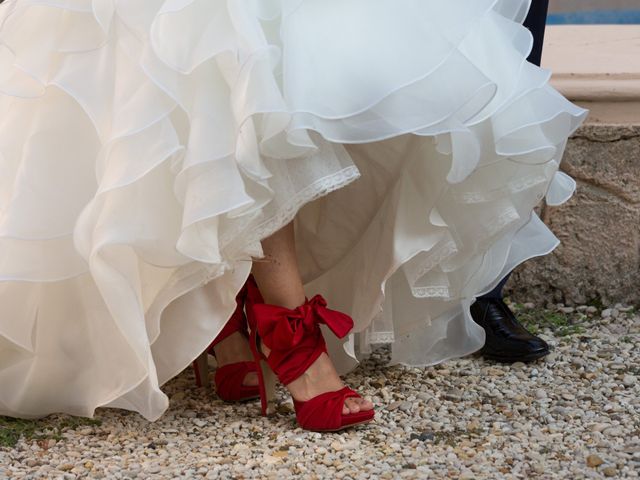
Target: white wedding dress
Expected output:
[147,146]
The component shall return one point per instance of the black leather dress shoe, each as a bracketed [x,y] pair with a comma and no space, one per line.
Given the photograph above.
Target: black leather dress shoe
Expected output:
[507,340]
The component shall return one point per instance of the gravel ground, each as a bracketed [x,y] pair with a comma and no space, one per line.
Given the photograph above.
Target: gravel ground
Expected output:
[574,415]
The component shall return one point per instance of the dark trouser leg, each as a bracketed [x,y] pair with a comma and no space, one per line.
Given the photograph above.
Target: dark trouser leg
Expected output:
[536,22]
[506,339]
[496,293]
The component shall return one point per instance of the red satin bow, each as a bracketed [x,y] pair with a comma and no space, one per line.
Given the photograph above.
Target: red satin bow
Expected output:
[284,329]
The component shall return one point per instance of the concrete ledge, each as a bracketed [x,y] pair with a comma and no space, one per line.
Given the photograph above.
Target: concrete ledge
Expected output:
[597,67]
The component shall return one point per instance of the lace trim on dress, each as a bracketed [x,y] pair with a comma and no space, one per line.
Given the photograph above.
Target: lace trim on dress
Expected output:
[381,338]
[287,212]
[431,292]
[447,250]
[509,189]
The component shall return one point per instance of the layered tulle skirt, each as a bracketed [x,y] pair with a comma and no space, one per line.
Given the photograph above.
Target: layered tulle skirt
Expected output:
[146,147]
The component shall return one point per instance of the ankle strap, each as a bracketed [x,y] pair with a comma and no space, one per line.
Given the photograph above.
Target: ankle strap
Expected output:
[294,336]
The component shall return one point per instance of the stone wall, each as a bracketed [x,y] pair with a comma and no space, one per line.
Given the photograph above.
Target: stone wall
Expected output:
[599,258]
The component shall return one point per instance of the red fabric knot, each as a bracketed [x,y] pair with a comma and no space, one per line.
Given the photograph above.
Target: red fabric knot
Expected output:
[294,336]
[284,329]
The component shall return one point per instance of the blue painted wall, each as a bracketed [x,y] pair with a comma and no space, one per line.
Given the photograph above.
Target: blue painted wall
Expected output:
[596,17]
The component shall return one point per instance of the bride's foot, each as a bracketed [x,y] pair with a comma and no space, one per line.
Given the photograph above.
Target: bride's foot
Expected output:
[322,377]
[289,343]
[235,349]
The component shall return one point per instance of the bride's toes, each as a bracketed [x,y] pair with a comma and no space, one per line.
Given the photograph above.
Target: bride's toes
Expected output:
[350,406]
[365,404]
[356,405]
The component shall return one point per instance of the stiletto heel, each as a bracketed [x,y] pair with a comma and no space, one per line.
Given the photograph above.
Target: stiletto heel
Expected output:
[201,369]
[229,379]
[266,377]
[295,343]
[267,381]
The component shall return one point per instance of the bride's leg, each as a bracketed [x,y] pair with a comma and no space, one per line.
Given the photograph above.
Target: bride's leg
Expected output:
[277,275]
[279,281]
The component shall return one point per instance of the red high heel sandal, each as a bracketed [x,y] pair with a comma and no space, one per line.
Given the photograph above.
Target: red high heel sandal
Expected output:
[229,379]
[296,342]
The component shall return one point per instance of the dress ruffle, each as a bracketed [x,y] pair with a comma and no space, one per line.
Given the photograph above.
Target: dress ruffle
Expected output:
[147,147]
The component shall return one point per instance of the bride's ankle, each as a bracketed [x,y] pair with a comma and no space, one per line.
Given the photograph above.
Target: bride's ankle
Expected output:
[234,348]
[290,302]
[320,377]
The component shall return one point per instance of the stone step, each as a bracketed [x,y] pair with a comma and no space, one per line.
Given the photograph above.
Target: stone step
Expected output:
[597,67]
